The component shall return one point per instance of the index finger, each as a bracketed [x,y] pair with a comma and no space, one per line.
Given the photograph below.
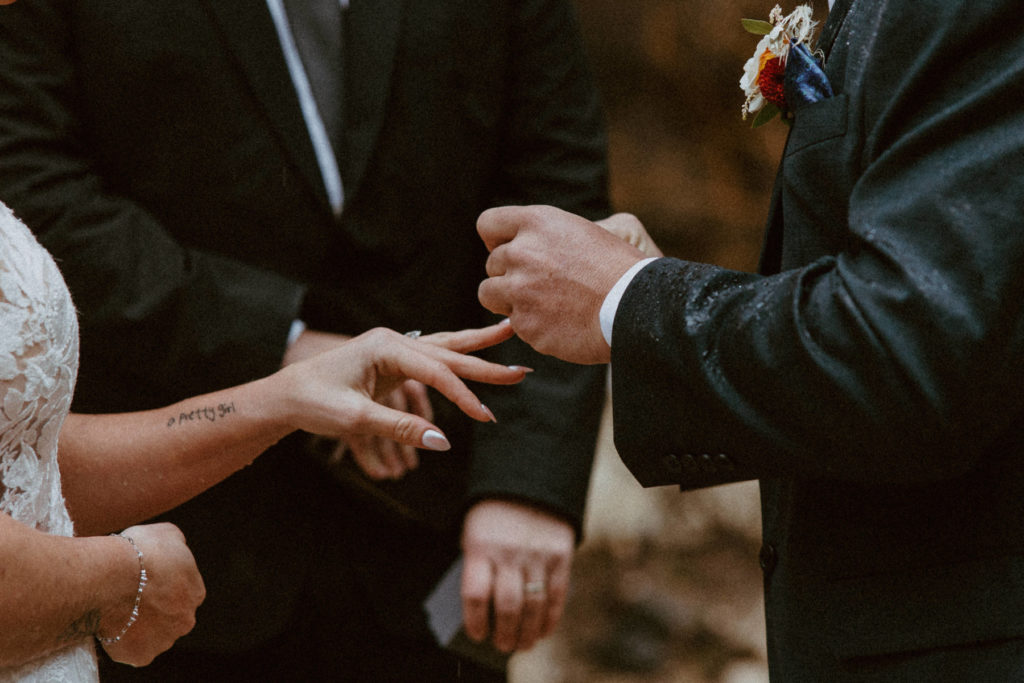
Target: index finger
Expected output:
[477,583]
[465,341]
[441,369]
[500,225]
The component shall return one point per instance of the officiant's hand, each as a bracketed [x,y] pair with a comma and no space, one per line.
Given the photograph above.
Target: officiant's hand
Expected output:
[517,561]
[167,606]
[549,271]
[383,458]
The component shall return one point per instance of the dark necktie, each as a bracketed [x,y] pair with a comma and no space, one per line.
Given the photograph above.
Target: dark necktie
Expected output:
[317,29]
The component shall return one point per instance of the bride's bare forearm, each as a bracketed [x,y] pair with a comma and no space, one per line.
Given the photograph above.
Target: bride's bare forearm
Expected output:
[55,591]
[122,469]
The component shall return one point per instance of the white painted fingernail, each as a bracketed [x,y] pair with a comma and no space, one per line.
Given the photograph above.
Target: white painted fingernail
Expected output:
[435,441]
[520,368]
[489,413]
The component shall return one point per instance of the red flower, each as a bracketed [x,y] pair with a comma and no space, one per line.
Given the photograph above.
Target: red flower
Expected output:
[771,79]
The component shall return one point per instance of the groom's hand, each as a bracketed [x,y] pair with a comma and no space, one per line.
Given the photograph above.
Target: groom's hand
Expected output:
[549,271]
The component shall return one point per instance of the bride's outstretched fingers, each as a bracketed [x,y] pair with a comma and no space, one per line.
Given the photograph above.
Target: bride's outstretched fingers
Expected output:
[339,393]
[467,341]
[442,369]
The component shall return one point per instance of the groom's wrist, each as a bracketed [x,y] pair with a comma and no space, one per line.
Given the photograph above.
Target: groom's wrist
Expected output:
[611,300]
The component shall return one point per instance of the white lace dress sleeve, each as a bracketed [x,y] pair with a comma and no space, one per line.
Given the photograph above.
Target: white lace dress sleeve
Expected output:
[38,366]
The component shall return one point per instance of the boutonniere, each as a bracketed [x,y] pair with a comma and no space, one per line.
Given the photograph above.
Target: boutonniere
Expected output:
[783,74]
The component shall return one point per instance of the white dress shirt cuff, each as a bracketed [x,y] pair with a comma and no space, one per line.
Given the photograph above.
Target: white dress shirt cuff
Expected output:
[611,300]
[297,328]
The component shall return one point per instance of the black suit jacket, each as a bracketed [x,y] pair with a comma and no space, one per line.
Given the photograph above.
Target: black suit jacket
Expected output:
[159,151]
[870,376]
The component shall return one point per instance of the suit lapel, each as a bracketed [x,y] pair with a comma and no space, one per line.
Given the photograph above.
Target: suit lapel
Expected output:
[771,249]
[832,25]
[372,30]
[249,32]
[771,246]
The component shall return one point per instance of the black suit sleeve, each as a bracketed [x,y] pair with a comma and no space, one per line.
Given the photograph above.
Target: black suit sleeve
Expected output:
[145,299]
[553,153]
[895,357]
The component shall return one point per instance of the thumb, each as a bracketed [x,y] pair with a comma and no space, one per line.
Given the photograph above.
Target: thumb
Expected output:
[406,428]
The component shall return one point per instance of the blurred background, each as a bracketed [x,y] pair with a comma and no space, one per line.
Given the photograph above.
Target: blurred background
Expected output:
[666,585]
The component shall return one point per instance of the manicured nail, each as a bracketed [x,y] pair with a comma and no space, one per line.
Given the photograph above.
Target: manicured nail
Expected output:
[520,368]
[489,413]
[435,441]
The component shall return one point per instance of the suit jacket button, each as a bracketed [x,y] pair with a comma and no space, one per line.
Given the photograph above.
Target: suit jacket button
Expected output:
[767,558]
[672,464]
[724,462]
[689,464]
[706,464]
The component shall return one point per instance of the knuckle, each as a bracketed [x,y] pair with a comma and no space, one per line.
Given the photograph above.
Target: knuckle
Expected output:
[556,594]
[377,335]
[188,622]
[474,600]
[485,292]
[538,214]
[142,660]
[377,472]
[361,419]
[506,610]
[405,429]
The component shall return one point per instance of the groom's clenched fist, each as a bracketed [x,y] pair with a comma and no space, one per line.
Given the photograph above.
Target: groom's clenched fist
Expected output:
[549,271]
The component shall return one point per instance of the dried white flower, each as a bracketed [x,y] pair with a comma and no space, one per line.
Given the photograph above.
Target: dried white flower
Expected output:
[797,27]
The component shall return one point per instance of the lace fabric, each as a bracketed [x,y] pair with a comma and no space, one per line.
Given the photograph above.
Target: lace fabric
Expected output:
[38,366]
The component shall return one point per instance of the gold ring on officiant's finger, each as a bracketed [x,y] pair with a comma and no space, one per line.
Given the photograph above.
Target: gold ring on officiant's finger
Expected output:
[414,334]
[533,587]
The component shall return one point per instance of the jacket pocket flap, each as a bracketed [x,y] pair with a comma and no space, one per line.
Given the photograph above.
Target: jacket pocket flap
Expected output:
[818,122]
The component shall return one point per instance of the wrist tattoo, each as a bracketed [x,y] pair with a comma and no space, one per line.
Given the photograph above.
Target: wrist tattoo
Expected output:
[84,626]
[204,414]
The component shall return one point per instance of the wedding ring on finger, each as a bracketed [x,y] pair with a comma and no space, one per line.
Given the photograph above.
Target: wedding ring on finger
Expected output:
[533,587]
[414,334]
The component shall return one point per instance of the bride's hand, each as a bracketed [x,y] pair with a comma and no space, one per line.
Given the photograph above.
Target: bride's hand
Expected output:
[336,393]
[167,606]
[382,457]
[628,228]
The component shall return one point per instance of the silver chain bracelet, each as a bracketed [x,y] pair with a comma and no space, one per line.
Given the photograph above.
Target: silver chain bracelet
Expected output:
[138,595]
